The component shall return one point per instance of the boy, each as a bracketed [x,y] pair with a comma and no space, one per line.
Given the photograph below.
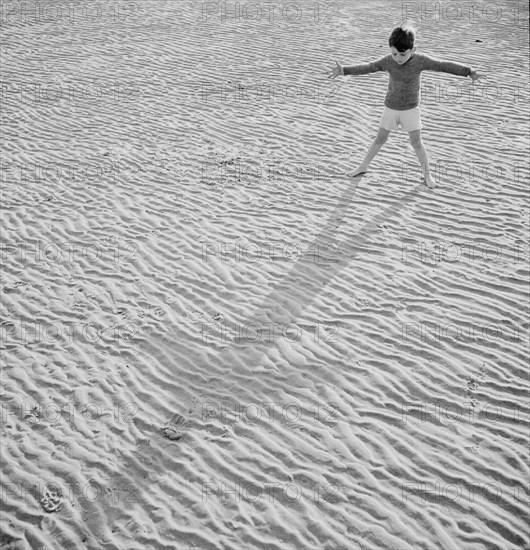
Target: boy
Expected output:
[401,104]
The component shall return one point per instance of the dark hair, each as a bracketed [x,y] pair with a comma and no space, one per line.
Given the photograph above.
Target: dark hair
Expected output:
[402,38]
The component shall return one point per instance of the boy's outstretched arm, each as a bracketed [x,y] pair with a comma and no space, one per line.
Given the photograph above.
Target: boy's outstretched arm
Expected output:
[366,68]
[474,75]
[430,64]
[336,70]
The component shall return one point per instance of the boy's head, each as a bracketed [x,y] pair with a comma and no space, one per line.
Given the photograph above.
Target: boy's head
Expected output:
[401,43]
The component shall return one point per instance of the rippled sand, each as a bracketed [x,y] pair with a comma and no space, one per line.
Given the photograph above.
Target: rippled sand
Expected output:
[211,336]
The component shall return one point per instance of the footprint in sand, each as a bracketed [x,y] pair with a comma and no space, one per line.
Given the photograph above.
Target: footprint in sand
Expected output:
[174,429]
[158,312]
[472,385]
[51,501]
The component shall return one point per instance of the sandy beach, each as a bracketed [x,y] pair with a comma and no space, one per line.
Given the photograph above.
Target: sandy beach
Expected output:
[211,336]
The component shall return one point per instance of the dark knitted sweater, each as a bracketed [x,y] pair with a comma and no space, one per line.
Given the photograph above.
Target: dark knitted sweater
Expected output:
[404,82]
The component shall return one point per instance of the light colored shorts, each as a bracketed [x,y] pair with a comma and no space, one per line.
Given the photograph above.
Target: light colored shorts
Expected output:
[409,120]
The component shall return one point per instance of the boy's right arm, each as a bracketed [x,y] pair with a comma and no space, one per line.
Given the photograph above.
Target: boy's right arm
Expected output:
[366,68]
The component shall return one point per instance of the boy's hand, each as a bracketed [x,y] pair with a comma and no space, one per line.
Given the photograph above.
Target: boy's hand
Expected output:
[335,71]
[475,76]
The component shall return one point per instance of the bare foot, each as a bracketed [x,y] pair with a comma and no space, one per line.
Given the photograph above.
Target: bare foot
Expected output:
[431,184]
[174,428]
[358,171]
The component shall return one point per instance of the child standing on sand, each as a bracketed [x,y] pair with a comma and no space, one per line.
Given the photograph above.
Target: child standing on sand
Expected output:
[402,99]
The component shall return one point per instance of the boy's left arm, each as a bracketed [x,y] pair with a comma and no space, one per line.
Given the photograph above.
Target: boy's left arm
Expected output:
[430,64]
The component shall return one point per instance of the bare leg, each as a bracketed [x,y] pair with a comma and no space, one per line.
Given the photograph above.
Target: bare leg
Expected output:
[421,153]
[379,141]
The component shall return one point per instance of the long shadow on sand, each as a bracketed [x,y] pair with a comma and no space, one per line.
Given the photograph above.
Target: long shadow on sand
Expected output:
[301,285]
